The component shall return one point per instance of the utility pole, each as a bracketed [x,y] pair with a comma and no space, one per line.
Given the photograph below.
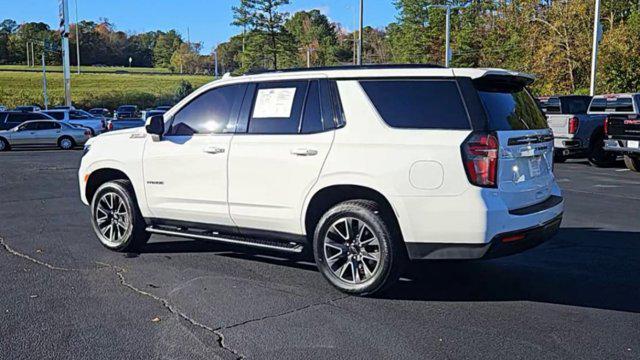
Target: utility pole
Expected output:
[308,57]
[28,51]
[594,54]
[66,64]
[77,39]
[360,32]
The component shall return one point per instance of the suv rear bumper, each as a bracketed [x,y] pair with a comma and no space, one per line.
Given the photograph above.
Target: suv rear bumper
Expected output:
[504,244]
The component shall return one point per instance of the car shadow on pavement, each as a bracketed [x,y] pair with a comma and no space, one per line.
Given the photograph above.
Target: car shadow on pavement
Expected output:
[583,267]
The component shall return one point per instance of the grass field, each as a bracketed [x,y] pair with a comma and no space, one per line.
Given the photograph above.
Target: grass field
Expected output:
[101,69]
[93,90]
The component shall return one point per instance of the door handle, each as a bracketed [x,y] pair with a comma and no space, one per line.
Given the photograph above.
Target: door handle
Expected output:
[213,150]
[304,152]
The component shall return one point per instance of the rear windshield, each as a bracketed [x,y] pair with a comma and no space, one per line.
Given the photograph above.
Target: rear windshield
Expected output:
[612,105]
[511,109]
[550,106]
[418,104]
[126,108]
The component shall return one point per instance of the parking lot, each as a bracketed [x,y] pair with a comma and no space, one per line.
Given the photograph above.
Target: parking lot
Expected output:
[65,296]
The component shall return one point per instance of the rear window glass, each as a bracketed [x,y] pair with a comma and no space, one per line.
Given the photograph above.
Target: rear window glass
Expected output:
[418,104]
[58,115]
[612,105]
[511,110]
[551,106]
[576,105]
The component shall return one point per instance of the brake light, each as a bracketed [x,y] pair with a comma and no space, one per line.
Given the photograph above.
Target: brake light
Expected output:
[606,125]
[574,123]
[480,156]
[110,126]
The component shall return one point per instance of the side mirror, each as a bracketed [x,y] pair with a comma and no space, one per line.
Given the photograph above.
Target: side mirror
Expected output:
[155,125]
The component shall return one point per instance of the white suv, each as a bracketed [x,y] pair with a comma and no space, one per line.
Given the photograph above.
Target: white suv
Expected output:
[367,166]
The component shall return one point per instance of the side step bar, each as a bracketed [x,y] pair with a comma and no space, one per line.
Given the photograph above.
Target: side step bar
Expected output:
[289,247]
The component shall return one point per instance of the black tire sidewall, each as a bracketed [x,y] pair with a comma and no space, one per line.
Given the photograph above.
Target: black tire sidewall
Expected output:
[5,143]
[387,251]
[117,188]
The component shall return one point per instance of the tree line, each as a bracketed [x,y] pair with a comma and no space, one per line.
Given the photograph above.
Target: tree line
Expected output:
[549,38]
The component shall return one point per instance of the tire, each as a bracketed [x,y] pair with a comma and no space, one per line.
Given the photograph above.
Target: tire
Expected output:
[115,204]
[4,145]
[66,143]
[597,156]
[632,163]
[343,258]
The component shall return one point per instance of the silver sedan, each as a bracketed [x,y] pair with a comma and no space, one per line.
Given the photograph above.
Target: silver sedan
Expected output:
[44,132]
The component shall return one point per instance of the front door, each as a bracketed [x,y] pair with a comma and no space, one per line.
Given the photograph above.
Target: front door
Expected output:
[27,134]
[185,171]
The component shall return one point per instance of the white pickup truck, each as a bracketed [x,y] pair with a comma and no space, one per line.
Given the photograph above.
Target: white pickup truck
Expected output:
[578,133]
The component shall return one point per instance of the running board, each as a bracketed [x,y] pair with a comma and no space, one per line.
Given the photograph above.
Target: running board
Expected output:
[290,247]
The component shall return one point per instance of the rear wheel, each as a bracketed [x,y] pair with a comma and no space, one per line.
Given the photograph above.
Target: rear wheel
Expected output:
[633,163]
[4,145]
[559,158]
[597,155]
[356,250]
[116,218]
[66,143]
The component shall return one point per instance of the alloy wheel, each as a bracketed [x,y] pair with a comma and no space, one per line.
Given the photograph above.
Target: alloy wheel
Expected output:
[112,219]
[352,250]
[66,144]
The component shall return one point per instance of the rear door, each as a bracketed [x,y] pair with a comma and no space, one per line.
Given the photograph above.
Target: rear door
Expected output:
[525,175]
[48,132]
[277,154]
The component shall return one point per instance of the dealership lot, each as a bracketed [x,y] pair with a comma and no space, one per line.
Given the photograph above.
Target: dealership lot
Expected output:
[64,296]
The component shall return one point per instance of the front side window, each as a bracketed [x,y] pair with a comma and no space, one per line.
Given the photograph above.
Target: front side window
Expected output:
[209,113]
[418,104]
[312,118]
[277,107]
[29,126]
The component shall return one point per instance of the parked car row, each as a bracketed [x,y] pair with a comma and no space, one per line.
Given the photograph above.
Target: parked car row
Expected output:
[598,128]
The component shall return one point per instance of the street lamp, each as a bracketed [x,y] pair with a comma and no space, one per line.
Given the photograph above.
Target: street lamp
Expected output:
[597,33]
[447,60]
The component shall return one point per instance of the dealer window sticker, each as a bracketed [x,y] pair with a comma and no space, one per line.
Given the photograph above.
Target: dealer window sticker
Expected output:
[274,103]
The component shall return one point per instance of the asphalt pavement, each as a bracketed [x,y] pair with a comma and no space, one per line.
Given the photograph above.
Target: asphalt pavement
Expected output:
[64,296]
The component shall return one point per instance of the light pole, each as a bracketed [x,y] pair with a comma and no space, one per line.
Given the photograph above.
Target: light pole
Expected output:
[64,32]
[361,26]
[594,54]
[77,39]
[447,56]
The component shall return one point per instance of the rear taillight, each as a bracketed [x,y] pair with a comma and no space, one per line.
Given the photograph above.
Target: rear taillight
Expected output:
[606,125]
[574,123]
[87,133]
[110,126]
[480,156]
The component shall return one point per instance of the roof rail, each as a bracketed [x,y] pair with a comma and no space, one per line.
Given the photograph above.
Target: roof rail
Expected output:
[349,67]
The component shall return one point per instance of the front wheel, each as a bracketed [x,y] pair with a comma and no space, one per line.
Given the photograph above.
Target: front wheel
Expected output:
[632,163]
[356,250]
[116,218]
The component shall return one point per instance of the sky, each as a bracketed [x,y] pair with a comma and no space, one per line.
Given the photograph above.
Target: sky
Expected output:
[206,21]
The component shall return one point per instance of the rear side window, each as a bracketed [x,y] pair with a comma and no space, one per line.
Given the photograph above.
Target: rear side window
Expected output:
[58,115]
[48,125]
[511,109]
[211,112]
[418,104]
[277,107]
